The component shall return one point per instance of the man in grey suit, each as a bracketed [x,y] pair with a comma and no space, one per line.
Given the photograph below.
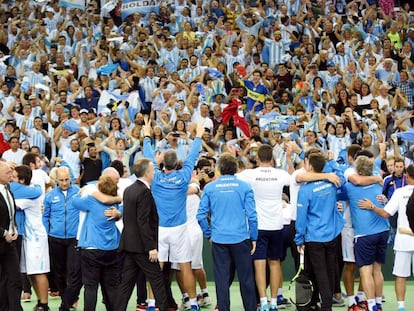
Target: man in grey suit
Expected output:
[139,238]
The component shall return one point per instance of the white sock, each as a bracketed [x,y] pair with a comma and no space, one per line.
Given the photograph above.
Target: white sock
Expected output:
[351,300]
[378,300]
[361,295]
[151,302]
[204,291]
[193,301]
[273,301]
[263,301]
[401,304]
[280,291]
[371,304]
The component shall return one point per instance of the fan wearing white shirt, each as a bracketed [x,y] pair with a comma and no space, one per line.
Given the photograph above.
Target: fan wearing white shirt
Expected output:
[203,116]
[14,154]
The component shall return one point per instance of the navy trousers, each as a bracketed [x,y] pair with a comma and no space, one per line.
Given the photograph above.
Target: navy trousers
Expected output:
[225,257]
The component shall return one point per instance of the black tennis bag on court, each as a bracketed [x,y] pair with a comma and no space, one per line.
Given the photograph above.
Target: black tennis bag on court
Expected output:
[303,291]
[410,211]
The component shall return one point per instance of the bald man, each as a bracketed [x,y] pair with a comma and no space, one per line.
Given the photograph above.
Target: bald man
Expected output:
[62,229]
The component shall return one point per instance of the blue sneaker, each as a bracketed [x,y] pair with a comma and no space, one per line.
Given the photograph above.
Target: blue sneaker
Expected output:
[273,308]
[401,309]
[194,307]
[264,308]
[282,302]
[151,308]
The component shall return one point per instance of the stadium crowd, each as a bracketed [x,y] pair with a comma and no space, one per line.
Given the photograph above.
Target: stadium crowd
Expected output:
[313,100]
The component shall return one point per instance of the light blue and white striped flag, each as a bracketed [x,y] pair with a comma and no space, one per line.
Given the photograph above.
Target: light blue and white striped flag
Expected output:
[77,4]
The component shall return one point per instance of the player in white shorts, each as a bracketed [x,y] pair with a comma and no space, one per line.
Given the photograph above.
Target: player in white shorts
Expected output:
[196,238]
[35,249]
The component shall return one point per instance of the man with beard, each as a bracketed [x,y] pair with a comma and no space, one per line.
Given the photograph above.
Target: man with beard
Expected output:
[195,70]
[92,164]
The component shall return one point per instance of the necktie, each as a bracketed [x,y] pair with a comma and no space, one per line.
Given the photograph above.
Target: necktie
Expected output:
[6,194]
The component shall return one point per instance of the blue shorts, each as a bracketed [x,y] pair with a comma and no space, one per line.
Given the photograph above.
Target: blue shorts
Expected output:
[269,245]
[370,248]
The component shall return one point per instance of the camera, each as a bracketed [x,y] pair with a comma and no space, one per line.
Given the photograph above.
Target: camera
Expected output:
[368,112]
[176,134]
[209,173]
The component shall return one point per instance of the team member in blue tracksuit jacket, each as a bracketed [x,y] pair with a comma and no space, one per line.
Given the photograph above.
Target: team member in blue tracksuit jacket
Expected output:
[318,226]
[371,234]
[99,240]
[61,220]
[233,231]
[169,189]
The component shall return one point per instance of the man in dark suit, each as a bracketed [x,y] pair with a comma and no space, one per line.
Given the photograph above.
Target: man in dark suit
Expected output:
[139,238]
[9,262]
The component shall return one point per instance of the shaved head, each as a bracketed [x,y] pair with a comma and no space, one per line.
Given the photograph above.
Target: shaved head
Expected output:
[63,178]
[111,172]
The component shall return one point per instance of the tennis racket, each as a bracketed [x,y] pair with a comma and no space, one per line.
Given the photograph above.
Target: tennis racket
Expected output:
[301,287]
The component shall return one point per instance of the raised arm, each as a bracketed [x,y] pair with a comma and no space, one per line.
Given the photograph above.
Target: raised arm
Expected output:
[395,146]
[148,152]
[56,135]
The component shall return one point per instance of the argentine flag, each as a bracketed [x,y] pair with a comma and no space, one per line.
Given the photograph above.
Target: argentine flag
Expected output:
[274,121]
[111,99]
[77,4]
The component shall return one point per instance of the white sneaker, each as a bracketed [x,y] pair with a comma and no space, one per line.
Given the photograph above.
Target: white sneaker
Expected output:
[185,305]
[206,301]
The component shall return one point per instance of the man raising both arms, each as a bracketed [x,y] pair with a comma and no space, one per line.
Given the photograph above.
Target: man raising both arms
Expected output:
[169,188]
